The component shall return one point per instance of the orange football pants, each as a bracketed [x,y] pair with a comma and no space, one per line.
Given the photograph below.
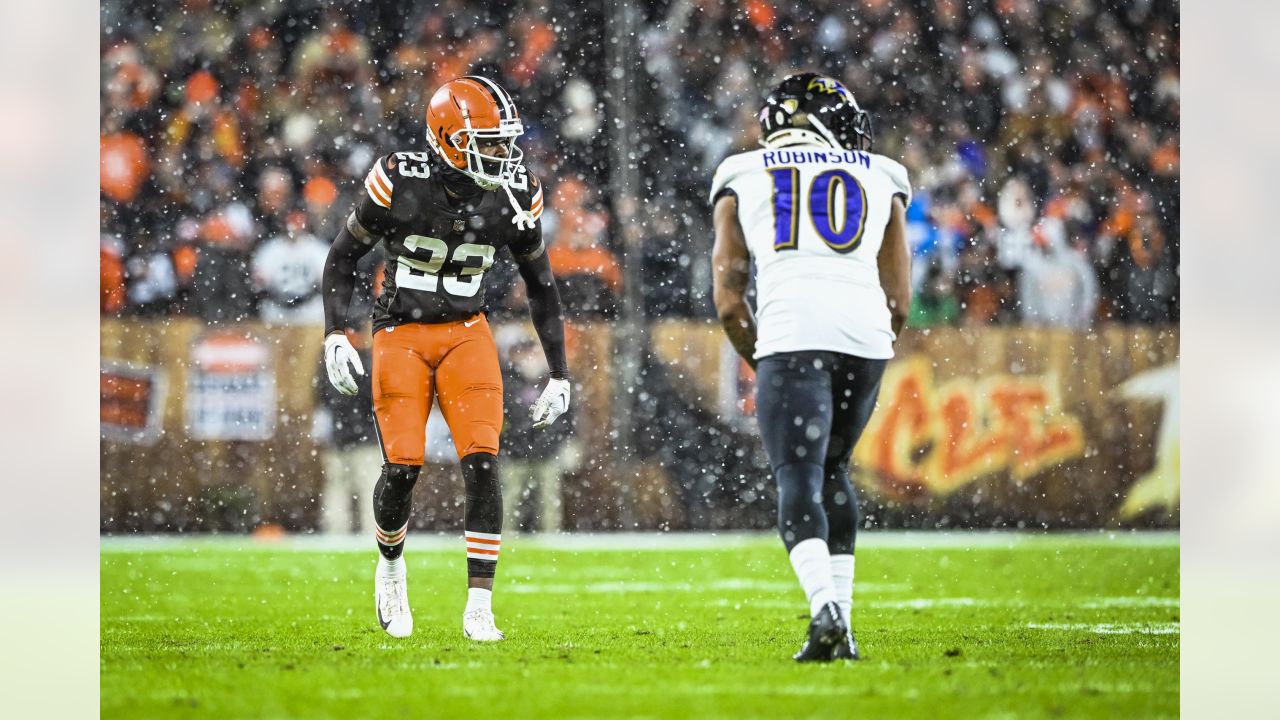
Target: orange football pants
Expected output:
[458,362]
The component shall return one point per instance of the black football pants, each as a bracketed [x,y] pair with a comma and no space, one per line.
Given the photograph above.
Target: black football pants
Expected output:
[812,408]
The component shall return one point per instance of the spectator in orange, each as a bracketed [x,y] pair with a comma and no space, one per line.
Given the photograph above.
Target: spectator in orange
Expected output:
[274,200]
[332,55]
[123,166]
[319,195]
[130,86]
[539,43]
[111,292]
[1142,272]
[202,120]
[1165,159]
[223,290]
[588,274]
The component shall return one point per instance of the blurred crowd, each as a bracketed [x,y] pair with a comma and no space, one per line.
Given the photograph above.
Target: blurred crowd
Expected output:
[1042,139]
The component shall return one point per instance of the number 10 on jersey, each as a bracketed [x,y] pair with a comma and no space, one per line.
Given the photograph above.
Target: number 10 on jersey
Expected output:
[842,234]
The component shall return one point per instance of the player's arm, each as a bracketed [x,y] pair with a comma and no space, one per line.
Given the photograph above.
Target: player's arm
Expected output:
[545,310]
[895,265]
[338,283]
[548,321]
[731,264]
[361,232]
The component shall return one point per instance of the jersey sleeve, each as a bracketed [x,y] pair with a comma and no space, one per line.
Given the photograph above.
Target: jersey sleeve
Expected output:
[527,244]
[898,177]
[720,182]
[373,210]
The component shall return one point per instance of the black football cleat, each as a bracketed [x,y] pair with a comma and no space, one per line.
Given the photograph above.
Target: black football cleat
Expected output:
[827,631]
[847,649]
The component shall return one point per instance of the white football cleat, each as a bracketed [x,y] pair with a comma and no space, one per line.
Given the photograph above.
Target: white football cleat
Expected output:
[391,595]
[478,625]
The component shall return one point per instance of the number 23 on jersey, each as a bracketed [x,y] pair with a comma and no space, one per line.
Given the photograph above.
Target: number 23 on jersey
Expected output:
[425,275]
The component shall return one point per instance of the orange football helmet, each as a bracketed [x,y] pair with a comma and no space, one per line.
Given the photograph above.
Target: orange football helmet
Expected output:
[468,113]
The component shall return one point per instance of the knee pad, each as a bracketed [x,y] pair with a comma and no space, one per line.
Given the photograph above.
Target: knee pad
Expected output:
[400,478]
[392,502]
[480,472]
[483,492]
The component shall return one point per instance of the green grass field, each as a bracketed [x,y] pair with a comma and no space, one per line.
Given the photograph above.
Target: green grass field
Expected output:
[962,626]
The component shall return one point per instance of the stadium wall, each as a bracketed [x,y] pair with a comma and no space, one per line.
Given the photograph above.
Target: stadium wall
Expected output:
[211,430]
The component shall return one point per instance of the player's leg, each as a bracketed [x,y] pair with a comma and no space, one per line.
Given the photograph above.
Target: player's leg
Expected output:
[855,384]
[793,407]
[469,387]
[401,402]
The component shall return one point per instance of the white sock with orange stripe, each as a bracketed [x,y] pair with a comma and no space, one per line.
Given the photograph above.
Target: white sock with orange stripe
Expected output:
[391,544]
[482,552]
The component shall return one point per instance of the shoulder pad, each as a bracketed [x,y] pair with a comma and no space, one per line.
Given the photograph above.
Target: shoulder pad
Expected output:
[727,172]
[897,173]
[378,183]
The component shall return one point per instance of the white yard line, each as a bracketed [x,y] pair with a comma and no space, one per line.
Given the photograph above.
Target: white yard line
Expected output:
[1138,628]
[951,603]
[1134,601]
[624,542]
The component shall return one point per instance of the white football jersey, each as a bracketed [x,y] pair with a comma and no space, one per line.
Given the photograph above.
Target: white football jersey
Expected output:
[814,220]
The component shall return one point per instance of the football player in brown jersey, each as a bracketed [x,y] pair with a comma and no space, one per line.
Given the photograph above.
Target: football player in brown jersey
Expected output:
[442,216]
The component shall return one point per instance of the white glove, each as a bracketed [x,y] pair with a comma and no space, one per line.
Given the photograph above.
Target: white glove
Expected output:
[339,358]
[552,404]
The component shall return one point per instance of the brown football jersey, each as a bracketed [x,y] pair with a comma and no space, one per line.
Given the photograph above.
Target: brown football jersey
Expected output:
[439,247]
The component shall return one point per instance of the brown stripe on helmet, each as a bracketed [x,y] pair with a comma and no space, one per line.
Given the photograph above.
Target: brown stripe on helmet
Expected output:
[506,106]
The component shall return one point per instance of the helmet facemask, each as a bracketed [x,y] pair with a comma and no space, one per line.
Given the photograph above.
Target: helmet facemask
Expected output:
[858,131]
[488,171]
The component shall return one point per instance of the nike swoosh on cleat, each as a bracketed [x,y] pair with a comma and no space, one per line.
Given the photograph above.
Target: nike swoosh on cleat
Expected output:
[469,324]
[383,623]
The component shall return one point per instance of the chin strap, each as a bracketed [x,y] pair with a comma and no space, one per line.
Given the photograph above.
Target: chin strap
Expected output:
[523,219]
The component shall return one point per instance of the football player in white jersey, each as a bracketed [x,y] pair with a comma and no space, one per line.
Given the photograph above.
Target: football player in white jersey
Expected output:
[823,218]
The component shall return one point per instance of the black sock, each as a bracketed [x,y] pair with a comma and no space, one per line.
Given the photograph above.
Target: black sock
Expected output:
[392,500]
[482,520]
[800,513]
[841,505]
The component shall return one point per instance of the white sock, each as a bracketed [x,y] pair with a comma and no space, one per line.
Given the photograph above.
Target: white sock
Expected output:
[842,578]
[391,568]
[479,599]
[812,563]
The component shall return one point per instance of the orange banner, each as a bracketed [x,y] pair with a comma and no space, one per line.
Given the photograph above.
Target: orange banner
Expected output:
[937,438]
